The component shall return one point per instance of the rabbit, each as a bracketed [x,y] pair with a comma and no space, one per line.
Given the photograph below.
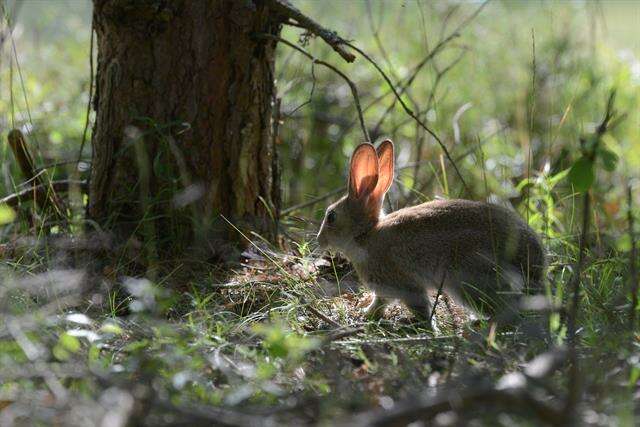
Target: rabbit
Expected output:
[482,255]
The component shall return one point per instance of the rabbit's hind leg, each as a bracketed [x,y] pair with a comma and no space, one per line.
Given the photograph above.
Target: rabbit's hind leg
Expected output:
[488,293]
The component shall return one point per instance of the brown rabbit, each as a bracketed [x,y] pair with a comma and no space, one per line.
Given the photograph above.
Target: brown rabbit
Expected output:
[483,255]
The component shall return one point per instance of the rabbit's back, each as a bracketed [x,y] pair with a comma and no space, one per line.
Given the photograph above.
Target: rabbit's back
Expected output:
[464,240]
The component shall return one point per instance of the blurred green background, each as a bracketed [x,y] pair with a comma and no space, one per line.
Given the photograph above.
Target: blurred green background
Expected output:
[509,96]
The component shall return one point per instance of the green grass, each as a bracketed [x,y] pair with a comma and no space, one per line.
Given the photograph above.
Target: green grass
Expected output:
[252,345]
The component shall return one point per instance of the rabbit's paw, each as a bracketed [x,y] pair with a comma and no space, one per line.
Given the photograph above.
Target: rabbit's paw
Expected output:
[375,310]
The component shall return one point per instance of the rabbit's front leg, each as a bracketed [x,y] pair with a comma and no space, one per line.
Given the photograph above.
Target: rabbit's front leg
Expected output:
[420,306]
[375,310]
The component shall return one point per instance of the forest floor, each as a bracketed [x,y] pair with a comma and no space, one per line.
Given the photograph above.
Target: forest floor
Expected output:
[281,338]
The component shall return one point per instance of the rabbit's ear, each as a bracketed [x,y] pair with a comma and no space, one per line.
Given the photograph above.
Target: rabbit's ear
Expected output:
[363,172]
[385,168]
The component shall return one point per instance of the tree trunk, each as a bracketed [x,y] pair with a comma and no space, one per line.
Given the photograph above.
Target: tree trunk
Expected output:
[183,132]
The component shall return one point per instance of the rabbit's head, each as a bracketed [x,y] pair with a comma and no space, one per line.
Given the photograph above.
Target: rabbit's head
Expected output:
[370,176]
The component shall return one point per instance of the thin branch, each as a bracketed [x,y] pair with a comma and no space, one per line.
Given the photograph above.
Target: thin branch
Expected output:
[40,191]
[430,104]
[424,408]
[574,385]
[398,94]
[313,201]
[410,112]
[322,316]
[416,70]
[437,299]
[287,10]
[404,340]
[86,123]
[62,163]
[410,165]
[47,199]
[311,92]
[340,334]
[633,259]
[352,86]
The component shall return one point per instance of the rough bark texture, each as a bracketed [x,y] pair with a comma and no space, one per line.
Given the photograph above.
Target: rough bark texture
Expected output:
[184,100]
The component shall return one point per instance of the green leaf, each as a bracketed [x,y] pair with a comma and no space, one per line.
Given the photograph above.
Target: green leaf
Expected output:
[558,177]
[111,328]
[581,174]
[277,349]
[7,214]
[94,354]
[60,353]
[66,346]
[136,346]
[609,159]
[69,342]
[265,371]
[527,182]
[623,243]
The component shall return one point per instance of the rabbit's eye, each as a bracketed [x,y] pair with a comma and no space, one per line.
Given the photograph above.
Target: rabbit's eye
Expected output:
[331,217]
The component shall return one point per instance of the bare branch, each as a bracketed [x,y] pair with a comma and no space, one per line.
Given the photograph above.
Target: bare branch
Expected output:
[313,201]
[421,339]
[633,259]
[337,191]
[338,335]
[575,381]
[90,100]
[287,10]
[425,408]
[410,112]
[437,299]
[352,86]
[40,191]
[45,199]
[322,316]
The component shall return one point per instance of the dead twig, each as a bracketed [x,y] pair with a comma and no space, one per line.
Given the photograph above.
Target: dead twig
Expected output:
[398,95]
[340,190]
[633,259]
[38,192]
[90,100]
[312,202]
[574,385]
[287,10]
[321,316]
[44,199]
[423,408]
[340,334]
[62,163]
[404,87]
[421,339]
[411,113]
[437,298]
[352,86]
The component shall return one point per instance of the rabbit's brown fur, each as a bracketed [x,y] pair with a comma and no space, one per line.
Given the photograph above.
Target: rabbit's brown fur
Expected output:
[483,254]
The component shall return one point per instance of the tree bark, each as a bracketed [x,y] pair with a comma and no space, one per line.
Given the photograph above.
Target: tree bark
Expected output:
[183,130]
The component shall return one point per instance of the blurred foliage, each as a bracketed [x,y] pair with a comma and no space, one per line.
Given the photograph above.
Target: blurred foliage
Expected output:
[51,63]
